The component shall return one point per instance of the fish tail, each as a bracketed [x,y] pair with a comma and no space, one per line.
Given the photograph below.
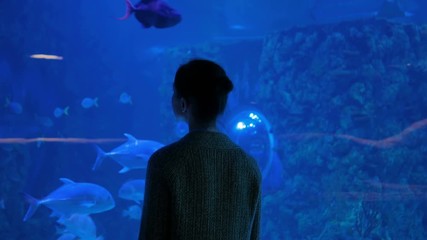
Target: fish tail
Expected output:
[95,102]
[66,110]
[34,204]
[129,9]
[99,158]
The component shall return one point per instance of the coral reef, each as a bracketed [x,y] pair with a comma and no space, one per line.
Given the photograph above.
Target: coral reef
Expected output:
[361,78]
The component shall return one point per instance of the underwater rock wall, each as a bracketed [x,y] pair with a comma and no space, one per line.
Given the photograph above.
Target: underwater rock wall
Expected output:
[15,163]
[349,72]
[347,105]
[341,99]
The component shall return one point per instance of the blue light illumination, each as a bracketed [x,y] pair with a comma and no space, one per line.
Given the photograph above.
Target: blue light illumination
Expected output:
[252,131]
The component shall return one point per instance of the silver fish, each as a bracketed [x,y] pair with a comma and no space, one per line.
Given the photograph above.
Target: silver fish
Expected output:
[73,198]
[133,154]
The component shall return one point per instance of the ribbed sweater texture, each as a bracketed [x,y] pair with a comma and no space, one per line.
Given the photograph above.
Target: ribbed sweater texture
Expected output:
[203,186]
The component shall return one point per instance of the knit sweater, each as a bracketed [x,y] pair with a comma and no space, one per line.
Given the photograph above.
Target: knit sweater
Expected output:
[203,186]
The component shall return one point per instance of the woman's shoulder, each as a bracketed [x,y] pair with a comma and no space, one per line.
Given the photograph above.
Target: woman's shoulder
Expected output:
[163,155]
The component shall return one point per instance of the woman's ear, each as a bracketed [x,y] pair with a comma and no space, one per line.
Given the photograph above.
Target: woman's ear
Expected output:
[184,105]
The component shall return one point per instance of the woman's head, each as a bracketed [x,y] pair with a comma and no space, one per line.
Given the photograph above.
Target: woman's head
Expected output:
[204,86]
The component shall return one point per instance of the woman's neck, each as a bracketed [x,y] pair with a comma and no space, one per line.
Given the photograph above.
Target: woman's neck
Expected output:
[196,126]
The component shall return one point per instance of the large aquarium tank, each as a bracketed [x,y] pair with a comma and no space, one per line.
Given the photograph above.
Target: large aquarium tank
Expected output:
[330,98]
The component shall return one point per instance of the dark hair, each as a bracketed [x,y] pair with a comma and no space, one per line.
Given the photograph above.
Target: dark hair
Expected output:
[204,84]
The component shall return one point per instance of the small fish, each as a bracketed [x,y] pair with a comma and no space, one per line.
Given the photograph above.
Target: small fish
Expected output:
[133,190]
[14,107]
[89,102]
[133,212]
[46,57]
[44,121]
[125,98]
[133,154]
[153,13]
[391,9]
[59,112]
[73,198]
[2,204]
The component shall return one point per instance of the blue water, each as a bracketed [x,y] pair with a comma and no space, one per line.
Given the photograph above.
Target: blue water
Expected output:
[338,88]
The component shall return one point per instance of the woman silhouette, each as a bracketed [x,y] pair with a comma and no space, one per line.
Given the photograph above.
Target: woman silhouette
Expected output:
[204,186]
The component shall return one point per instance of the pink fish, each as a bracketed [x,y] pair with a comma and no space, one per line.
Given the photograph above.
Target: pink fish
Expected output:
[153,13]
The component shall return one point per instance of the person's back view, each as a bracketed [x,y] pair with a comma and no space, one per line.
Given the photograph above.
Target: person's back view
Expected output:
[203,186]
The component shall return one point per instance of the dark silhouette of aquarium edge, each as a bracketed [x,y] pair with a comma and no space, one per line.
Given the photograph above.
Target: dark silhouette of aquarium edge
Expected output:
[153,13]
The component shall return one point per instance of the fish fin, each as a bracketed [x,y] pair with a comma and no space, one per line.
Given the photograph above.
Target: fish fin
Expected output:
[67,181]
[146,25]
[87,204]
[124,169]
[99,158]
[66,110]
[34,204]
[129,9]
[130,137]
